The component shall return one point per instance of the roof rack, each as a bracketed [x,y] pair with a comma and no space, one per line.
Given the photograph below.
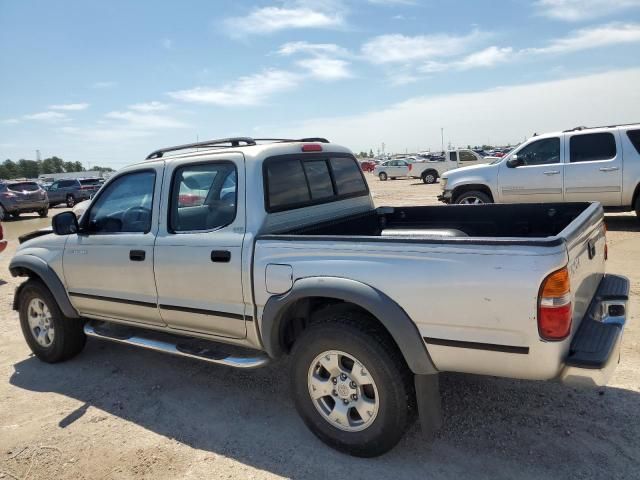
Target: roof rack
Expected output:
[232,143]
[577,129]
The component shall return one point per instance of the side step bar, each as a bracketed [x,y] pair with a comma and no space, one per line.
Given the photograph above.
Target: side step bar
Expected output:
[181,346]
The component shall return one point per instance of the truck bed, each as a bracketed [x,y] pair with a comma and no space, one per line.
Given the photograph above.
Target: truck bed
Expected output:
[451,223]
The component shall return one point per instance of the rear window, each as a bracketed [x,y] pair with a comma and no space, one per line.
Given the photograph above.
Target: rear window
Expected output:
[634,136]
[299,182]
[90,181]
[592,147]
[23,187]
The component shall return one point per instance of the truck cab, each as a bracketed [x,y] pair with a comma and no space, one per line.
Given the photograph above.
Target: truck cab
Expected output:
[430,171]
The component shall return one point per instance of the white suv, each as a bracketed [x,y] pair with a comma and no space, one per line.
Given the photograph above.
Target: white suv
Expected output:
[582,164]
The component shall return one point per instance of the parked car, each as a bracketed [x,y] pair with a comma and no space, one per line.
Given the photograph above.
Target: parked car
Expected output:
[367,166]
[429,172]
[584,164]
[297,260]
[22,197]
[392,169]
[71,191]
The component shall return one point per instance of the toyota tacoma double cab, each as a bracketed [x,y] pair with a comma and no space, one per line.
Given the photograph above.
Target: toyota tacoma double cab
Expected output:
[283,253]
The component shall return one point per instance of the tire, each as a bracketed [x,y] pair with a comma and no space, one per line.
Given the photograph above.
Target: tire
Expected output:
[637,207]
[15,215]
[43,213]
[71,201]
[343,335]
[429,177]
[63,337]
[3,213]
[382,176]
[473,197]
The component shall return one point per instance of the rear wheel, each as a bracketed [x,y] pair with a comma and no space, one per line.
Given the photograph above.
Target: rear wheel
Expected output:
[15,214]
[3,213]
[51,336]
[71,201]
[350,384]
[473,197]
[429,177]
[383,176]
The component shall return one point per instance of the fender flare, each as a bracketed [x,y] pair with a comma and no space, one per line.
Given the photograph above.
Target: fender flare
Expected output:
[29,265]
[402,329]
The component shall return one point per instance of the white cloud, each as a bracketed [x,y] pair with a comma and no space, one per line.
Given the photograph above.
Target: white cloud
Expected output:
[549,106]
[70,106]
[10,121]
[153,106]
[489,57]
[292,48]
[272,19]
[144,121]
[593,37]
[397,48]
[104,84]
[48,116]
[392,2]
[248,90]
[324,68]
[577,10]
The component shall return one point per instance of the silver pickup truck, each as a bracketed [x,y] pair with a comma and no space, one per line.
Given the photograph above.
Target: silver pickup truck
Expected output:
[240,251]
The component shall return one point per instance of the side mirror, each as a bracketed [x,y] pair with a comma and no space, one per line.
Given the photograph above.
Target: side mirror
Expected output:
[514,161]
[65,223]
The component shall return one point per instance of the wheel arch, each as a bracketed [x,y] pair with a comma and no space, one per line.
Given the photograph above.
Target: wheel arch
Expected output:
[460,189]
[36,268]
[281,315]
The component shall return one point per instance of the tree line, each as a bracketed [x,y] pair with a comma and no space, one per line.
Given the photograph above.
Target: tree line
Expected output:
[33,168]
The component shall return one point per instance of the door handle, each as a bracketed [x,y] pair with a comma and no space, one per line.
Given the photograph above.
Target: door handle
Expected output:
[137,255]
[608,169]
[221,256]
[552,172]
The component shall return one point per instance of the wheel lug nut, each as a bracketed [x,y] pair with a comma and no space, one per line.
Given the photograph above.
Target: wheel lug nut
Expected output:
[353,384]
[354,397]
[334,380]
[334,393]
[345,401]
[343,376]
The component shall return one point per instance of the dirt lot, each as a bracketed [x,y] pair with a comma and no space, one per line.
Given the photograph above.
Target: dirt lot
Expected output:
[118,412]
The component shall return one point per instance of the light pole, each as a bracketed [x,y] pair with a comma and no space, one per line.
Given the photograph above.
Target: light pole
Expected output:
[442,137]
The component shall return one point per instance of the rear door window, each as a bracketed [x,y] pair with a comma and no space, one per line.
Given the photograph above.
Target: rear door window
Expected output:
[634,136]
[592,147]
[287,184]
[467,156]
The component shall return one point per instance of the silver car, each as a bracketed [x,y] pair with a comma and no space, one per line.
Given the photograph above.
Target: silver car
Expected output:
[22,197]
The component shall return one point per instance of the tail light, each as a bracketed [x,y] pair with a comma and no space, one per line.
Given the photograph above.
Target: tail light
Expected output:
[554,306]
[8,195]
[86,188]
[606,247]
[410,166]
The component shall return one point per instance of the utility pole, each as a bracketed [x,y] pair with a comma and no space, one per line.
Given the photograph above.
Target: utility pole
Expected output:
[383,148]
[38,155]
[442,137]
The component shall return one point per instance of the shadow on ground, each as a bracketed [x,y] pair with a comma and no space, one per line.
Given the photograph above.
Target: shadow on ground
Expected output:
[622,223]
[494,428]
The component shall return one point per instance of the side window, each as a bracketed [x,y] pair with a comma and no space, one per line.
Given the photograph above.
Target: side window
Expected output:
[203,197]
[124,205]
[348,177]
[634,136]
[286,182]
[592,147]
[54,186]
[541,152]
[467,156]
[453,157]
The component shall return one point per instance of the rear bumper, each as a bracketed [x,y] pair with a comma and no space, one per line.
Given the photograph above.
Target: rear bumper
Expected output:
[595,349]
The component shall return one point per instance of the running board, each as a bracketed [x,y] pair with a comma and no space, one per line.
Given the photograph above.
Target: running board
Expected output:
[175,345]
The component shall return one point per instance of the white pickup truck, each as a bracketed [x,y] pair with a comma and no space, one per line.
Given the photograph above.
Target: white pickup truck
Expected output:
[240,251]
[582,164]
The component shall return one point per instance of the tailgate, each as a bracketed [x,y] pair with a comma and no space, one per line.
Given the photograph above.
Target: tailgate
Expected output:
[586,245]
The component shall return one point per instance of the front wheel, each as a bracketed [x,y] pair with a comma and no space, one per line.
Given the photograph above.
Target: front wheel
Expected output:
[637,206]
[473,198]
[51,336]
[429,177]
[43,212]
[383,176]
[350,385]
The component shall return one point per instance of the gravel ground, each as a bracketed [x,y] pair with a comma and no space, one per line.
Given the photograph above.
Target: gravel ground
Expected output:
[119,412]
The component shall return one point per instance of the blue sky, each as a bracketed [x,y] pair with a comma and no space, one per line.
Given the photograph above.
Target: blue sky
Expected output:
[107,82]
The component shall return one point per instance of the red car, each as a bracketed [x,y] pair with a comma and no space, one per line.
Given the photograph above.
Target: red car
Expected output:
[3,242]
[367,166]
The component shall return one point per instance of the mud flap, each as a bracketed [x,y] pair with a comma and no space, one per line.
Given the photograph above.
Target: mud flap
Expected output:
[429,403]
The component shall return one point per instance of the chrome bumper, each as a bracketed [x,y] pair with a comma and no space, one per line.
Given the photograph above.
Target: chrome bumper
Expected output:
[595,348]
